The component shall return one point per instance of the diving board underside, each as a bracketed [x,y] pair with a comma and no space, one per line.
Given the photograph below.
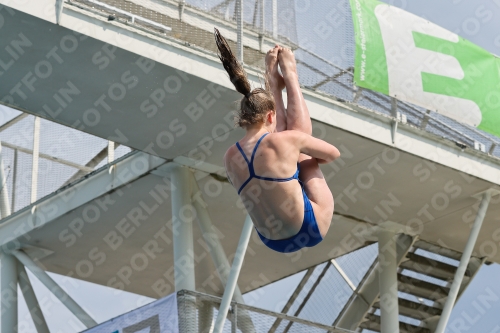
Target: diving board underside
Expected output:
[417,183]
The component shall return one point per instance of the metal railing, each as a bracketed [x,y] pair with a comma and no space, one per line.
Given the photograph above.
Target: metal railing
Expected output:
[22,181]
[204,307]
[338,85]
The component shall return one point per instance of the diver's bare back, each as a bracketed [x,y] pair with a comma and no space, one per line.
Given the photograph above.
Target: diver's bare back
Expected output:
[277,208]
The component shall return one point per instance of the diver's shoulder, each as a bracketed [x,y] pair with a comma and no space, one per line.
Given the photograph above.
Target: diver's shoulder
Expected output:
[288,136]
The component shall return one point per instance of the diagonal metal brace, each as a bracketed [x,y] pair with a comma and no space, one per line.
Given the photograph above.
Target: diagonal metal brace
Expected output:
[69,302]
[464,261]
[233,274]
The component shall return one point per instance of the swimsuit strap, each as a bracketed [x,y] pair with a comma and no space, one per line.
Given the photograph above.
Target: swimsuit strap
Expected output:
[295,176]
[249,163]
[251,169]
[242,152]
[257,146]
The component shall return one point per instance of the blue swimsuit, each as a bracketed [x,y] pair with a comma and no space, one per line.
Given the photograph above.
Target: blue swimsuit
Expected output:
[308,235]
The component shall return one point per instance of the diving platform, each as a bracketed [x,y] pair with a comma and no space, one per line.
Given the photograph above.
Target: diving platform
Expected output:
[103,69]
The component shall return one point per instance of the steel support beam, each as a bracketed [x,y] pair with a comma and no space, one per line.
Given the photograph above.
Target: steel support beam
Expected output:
[262,25]
[311,291]
[394,122]
[4,194]
[31,300]
[183,214]
[425,120]
[292,298]
[182,5]
[111,151]
[464,261]
[8,292]
[357,95]
[343,274]
[15,229]
[59,9]
[34,166]
[182,225]
[48,157]
[15,171]
[255,13]
[90,164]
[218,255]
[275,18]
[263,17]
[367,291]
[205,310]
[492,148]
[239,29]
[388,282]
[55,289]
[233,274]
[212,240]
[13,121]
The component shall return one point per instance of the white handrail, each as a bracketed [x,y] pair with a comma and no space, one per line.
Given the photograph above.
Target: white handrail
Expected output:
[132,16]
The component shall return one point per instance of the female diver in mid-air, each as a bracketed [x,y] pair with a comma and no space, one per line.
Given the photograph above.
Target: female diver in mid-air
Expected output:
[289,212]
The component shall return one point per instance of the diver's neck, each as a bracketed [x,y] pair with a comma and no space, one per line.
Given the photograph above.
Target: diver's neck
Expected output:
[257,130]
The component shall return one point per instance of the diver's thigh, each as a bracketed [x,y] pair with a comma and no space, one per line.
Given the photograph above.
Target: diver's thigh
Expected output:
[317,190]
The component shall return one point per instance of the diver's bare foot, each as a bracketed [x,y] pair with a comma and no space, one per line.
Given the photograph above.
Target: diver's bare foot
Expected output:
[287,62]
[275,79]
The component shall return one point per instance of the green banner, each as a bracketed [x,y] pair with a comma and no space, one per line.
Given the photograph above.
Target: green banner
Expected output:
[407,57]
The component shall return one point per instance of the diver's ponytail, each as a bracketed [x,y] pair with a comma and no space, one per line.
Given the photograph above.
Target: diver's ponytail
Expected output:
[256,103]
[237,74]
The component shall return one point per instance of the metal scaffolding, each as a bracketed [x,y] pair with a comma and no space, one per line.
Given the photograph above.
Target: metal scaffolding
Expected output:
[378,290]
